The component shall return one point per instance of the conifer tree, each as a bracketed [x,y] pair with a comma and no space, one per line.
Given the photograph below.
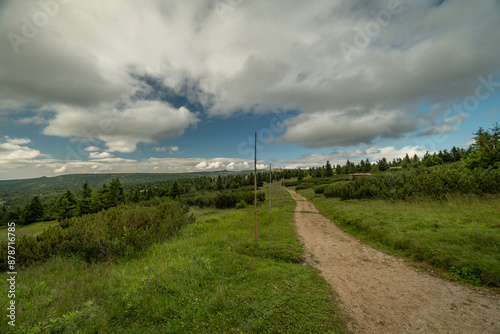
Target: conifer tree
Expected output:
[328,169]
[116,192]
[174,191]
[485,152]
[85,205]
[33,211]
[67,205]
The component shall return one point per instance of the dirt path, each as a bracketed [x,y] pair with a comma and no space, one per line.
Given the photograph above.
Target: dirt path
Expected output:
[382,294]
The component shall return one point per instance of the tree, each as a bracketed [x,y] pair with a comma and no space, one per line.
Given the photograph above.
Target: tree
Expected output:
[485,152]
[383,165]
[116,192]
[174,191]
[432,160]
[13,216]
[368,166]
[104,199]
[33,211]
[85,205]
[3,214]
[328,169]
[67,205]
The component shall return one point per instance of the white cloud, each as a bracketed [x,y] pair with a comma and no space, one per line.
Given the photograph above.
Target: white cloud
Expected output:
[345,128]
[91,148]
[122,129]
[12,150]
[216,165]
[171,149]
[102,155]
[239,166]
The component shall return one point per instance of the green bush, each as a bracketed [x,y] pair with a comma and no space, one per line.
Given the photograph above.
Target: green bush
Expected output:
[105,235]
[229,199]
[429,182]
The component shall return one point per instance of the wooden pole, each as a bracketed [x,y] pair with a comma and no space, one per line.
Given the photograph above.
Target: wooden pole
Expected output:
[255,187]
[270,171]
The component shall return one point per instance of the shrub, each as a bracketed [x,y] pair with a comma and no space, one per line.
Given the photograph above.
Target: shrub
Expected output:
[105,235]
[229,199]
[430,182]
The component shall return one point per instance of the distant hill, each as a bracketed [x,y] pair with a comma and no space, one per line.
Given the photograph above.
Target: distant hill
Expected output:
[19,192]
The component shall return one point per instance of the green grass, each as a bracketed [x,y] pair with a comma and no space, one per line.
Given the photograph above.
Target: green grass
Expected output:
[460,234]
[210,278]
[31,229]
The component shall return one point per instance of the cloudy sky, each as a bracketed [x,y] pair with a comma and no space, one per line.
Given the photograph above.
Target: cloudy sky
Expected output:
[174,86]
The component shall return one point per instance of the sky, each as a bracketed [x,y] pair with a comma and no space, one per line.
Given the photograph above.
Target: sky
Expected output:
[124,86]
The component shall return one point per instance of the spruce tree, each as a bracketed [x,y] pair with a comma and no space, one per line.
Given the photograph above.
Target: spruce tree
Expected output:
[174,191]
[67,205]
[85,205]
[328,169]
[116,192]
[33,211]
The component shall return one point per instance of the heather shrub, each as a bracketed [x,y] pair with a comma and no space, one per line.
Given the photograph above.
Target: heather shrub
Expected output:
[105,235]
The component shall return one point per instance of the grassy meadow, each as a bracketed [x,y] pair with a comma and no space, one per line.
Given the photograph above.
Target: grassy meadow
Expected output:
[210,277]
[32,229]
[459,234]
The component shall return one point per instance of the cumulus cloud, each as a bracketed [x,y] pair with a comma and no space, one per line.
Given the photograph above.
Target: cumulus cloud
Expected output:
[228,164]
[91,148]
[171,149]
[14,150]
[345,128]
[216,165]
[16,158]
[122,128]
[102,155]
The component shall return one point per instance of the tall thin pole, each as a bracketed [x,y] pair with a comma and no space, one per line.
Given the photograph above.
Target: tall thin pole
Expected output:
[270,171]
[276,190]
[255,187]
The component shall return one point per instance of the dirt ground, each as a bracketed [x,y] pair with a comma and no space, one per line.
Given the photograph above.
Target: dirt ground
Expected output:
[384,295]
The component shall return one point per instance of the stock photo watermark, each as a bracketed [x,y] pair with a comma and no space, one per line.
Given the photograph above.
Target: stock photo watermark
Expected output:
[11,265]
[32,24]
[92,137]
[364,35]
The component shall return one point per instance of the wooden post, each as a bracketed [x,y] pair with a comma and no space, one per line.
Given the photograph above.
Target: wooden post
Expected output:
[255,187]
[270,171]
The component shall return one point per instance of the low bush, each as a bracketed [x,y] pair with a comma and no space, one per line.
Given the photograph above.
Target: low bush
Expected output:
[429,182]
[105,235]
[229,199]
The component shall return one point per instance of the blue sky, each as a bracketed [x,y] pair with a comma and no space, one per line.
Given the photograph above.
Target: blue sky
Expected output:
[171,86]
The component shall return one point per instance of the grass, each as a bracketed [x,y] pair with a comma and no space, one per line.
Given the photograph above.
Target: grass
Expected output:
[460,234]
[210,278]
[31,229]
